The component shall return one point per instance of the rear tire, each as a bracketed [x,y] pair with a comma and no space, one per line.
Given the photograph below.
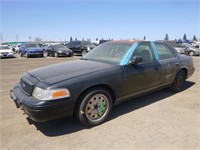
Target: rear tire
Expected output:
[191,53]
[179,81]
[93,107]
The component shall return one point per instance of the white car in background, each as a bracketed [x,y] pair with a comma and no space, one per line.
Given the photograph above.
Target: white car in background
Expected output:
[5,51]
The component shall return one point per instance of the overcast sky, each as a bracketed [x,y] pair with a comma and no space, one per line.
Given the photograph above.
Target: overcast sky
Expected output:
[117,19]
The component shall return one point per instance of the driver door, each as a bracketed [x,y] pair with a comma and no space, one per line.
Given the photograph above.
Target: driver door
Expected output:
[144,76]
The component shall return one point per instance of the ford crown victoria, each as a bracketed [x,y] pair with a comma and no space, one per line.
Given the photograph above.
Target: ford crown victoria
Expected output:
[112,72]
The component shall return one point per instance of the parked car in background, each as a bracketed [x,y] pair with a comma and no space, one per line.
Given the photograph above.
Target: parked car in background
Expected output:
[58,50]
[179,48]
[5,51]
[197,46]
[96,42]
[31,49]
[109,74]
[191,51]
[80,47]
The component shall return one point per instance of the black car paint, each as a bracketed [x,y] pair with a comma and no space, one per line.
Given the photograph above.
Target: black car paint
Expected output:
[123,82]
[52,49]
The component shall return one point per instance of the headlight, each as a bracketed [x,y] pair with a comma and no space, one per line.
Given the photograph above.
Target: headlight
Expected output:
[51,94]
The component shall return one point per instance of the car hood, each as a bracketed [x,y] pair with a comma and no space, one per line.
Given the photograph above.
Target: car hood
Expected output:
[58,72]
[5,51]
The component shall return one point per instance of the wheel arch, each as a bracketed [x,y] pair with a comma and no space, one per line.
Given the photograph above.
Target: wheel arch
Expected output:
[184,69]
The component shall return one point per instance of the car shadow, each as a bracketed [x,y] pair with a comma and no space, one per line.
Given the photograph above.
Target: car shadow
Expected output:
[9,57]
[70,125]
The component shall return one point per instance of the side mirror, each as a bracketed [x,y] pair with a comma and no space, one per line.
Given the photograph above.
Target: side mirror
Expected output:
[136,60]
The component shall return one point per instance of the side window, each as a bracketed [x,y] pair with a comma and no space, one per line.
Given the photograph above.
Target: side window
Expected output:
[146,52]
[70,44]
[164,52]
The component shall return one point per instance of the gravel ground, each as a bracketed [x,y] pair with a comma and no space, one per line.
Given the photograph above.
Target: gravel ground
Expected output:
[161,120]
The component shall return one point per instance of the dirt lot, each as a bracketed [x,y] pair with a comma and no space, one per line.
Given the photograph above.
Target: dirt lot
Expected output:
[161,120]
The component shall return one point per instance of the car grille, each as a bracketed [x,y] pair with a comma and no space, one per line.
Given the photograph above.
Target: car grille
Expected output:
[4,53]
[33,52]
[26,87]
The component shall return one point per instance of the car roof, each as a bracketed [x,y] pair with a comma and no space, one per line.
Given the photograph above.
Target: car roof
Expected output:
[125,41]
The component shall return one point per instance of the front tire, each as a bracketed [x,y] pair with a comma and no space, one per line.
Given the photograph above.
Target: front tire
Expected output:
[94,107]
[179,81]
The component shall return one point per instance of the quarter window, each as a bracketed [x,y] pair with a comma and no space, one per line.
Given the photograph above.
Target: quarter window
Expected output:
[164,52]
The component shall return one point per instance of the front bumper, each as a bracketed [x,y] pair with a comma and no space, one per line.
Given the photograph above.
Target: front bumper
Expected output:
[6,55]
[41,111]
[35,53]
[65,53]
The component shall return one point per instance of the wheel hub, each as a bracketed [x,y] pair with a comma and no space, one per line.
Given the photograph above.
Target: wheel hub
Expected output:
[96,107]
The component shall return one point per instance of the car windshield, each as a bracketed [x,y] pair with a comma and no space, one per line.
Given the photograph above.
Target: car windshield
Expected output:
[4,47]
[86,43]
[59,46]
[32,45]
[108,52]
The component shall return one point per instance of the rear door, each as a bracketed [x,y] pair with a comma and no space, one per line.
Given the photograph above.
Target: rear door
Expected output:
[169,62]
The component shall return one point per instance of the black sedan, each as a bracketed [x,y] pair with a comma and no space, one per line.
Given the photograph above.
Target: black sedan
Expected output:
[111,73]
[58,50]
